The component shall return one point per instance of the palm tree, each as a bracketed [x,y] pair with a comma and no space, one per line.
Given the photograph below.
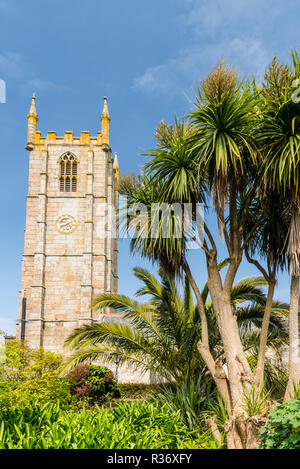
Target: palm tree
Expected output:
[161,334]
[212,155]
[216,154]
[145,192]
[219,151]
[280,140]
[225,118]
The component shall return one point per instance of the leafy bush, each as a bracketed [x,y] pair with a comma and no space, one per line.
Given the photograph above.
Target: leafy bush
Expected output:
[49,387]
[92,381]
[77,379]
[282,430]
[31,375]
[22,363]
[42,361]
[140,425]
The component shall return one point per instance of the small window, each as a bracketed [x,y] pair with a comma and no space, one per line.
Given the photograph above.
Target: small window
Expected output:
[68,173]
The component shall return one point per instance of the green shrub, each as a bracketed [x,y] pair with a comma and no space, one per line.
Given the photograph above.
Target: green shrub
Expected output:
[92,381]
[49,387]
[103,381]
[282,430]
[29,376]
[21,363]
[140,425]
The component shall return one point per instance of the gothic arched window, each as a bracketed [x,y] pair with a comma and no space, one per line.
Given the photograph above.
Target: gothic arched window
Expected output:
[68,167]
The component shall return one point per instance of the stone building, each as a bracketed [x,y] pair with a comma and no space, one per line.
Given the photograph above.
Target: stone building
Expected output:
[70,251]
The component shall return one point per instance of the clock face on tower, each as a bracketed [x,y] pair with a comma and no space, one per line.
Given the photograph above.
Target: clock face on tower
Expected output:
[66,224]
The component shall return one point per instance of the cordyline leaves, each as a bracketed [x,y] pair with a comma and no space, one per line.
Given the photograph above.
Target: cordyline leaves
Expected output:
[172,163]
[280,138]
[156,228]
[225,140]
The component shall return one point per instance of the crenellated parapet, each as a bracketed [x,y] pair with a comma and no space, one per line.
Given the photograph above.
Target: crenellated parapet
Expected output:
[68,138]
[34,137]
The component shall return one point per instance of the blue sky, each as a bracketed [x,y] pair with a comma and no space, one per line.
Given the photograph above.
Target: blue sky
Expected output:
[147,57]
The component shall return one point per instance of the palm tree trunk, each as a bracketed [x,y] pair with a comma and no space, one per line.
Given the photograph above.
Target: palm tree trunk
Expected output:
[203,344]
[294,359]
[240,376]
[259,373]
[227,324]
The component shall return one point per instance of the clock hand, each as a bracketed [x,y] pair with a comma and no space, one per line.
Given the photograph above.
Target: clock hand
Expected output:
[68,223]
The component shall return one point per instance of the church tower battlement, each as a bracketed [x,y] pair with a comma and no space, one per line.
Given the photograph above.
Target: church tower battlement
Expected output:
[67,260]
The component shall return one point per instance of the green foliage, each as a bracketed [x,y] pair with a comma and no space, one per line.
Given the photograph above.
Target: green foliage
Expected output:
[41,361]
[162,333]
[219,409]
[190,399]
[103,381]
[48,387]
[2,346]
[92,381]
[29,376]
[139,425]
[282,430]
[279,134]
[17,357]
[276,376]
[296,391]
[255,403]
[280,129]
[22,363]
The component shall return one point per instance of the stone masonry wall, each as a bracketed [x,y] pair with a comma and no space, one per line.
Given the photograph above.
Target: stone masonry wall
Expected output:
[62,273]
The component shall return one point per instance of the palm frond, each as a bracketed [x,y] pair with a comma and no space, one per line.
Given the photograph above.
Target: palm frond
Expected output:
[246,290]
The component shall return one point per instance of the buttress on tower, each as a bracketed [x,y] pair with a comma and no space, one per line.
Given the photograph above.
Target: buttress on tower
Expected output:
[70,253]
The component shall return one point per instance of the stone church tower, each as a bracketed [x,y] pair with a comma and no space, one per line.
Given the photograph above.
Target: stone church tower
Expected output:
[70,252]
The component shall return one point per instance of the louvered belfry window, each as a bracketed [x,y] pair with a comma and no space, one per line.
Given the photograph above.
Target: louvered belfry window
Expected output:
[68,165]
